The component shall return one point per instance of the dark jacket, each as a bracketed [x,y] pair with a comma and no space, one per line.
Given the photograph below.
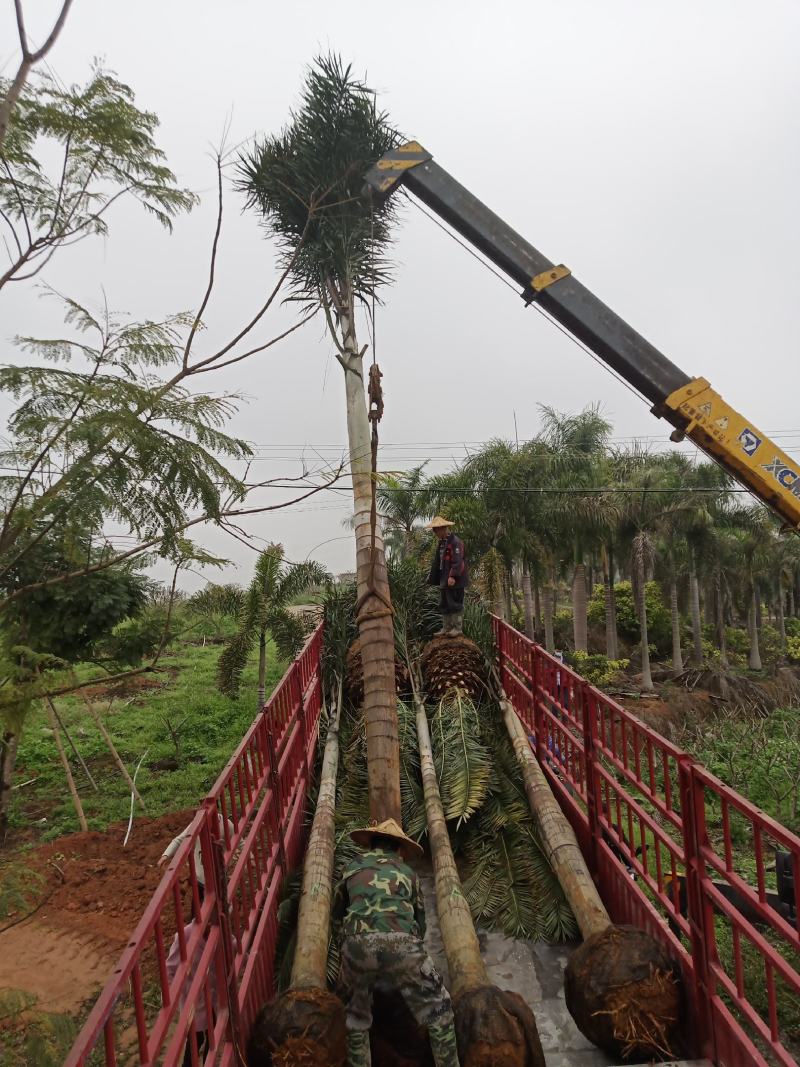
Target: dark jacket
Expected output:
[449,561]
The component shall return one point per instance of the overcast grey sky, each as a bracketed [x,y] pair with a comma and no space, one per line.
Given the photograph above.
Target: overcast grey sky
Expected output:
[651,146]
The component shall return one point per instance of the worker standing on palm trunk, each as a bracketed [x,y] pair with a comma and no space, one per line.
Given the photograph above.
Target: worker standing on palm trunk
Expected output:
[449,572]
[380,899]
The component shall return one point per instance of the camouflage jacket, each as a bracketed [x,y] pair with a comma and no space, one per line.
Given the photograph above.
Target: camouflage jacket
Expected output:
[379,894]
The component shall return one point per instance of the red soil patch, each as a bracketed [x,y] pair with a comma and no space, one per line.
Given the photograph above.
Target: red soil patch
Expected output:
[97,887]
[94,894]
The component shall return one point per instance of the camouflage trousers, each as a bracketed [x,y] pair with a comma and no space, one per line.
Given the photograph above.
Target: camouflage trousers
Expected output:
[395,962]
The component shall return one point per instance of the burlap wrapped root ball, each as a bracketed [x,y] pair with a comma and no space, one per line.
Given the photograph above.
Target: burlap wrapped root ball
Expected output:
[496,1028]
[624,992]
[301,1028]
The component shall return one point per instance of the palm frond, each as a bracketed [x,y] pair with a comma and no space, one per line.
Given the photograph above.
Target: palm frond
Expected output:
[412,795]
[461,758]
[233,658]
[306,182]
[339,613]
[288,631]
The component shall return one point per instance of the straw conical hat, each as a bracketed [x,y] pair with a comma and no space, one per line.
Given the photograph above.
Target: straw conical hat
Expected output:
[439,520]
[390,829]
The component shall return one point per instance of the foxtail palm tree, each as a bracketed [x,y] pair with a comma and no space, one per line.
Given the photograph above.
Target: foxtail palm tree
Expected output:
[401,502]
[755,531]
[265,611]
[577,445]
[306,183]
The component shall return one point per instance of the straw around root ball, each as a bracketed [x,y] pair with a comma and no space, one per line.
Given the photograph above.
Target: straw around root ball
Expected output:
[496,1028]
[302,1028]
[624,993]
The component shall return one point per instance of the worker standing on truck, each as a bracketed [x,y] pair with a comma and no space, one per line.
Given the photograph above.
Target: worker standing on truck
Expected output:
[449,572]
[380,901]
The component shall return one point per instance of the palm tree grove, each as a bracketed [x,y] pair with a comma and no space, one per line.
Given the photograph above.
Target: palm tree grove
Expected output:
[442,744]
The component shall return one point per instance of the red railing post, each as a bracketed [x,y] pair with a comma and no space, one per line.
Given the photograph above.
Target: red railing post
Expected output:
[501,647]
[298,699]
[591,775]
[275,783]
[702,938]
[236,1033]
[538,714]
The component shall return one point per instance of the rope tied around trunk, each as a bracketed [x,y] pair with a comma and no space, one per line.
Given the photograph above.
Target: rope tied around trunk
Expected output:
[375,414]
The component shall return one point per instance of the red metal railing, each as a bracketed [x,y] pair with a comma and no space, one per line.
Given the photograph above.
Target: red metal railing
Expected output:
[640,805]
[637,803]
[218,965]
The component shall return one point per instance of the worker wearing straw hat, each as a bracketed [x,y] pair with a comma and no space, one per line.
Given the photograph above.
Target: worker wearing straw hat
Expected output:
[449,572]
[380,900]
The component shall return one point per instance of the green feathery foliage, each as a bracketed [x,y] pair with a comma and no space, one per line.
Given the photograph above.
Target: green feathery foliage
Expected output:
[339,613]
[68,620]
[412,794]
[461,759]
[101,147]
[274,586]
[416,614]
[510,885]
[109,441]
[478,627]
[307,181]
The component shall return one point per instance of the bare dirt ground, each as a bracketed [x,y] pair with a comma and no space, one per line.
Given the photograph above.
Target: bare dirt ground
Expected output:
[93,895]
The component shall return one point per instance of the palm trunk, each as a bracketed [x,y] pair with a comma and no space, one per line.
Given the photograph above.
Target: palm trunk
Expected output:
[754,657]
[537,609]
[8,760]
[375,626]
[677,655]
[262,669]
[579,608]
[493,1026]
[306,1024]
[508,583]
[694,604]
[467,970]
[612,639]
[615,1007]
[782,613]
[527,596]
[549,640]
[499,601]
[309,970]
[76,800]
[791,600]
[641,595]
[720,612]
[558,839]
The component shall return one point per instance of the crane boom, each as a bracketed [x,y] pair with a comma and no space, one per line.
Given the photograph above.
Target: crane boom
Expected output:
[691,405]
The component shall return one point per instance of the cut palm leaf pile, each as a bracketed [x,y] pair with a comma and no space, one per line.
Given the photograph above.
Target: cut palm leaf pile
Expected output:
[462,760]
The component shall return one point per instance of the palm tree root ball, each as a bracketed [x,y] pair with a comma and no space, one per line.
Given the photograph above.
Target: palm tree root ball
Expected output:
[302,1028]
[624,993]
[496,1028]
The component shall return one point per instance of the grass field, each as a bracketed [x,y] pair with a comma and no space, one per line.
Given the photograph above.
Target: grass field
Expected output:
[176,771]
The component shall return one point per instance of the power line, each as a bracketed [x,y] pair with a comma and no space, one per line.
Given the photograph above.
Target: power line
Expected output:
[539,490]
[541,311]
